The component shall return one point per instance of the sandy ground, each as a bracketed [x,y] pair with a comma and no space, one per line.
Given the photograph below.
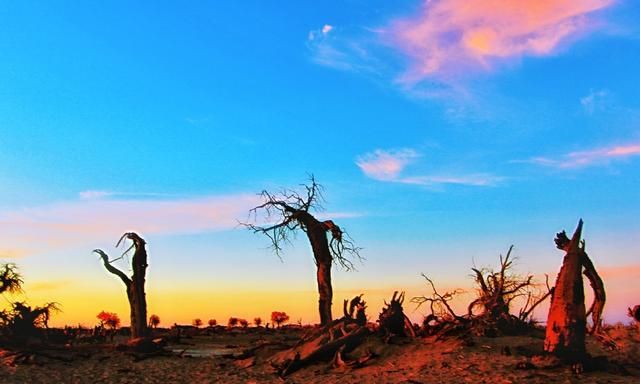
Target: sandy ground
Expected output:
[424,360]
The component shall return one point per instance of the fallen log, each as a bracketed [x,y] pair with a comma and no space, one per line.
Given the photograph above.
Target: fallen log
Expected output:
[340,336]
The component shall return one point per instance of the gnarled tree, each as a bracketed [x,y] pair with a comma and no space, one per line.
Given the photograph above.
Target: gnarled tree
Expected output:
[566,323]
[135,283]
[599,294]
[291,211]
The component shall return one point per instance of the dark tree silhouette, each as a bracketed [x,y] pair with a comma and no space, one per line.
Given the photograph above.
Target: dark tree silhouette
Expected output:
[154,321]
[22,321]
[393,321]
[634,313]
[278,317]
[290,211]
[135,283]
[10,279]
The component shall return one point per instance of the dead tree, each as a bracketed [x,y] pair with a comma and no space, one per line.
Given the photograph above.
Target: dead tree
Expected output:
[357,306]
[134,284]
[393,321]
[599,294]
[497,290]
[566,323]
[291,211]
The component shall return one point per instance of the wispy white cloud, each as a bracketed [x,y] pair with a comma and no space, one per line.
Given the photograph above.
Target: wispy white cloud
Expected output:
[598,156]
[94,194]
[476,180]
[389,166]
[77,222]
[594,101]
[340,49]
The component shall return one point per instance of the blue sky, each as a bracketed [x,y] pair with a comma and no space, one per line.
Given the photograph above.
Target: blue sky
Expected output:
[440,140]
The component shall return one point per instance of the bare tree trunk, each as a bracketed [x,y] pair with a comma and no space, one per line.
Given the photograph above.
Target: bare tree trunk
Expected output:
[325,292]
[566,323]
[316,232]
[134,285]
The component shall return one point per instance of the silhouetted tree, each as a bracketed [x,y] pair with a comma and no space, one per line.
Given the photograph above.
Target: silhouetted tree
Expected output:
[22,321]
[257,321]
[233,321]
[243,323]
[154,321]
[279,317]
[354,309]
[197,322]
[212,322]
[291,211]
[392,319]
[10,279]
[135,283]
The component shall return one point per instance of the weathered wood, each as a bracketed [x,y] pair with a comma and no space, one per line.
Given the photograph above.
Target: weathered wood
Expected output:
[320,347]
[566,323]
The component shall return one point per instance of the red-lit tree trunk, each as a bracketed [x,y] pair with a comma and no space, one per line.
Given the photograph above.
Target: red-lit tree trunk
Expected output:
[566,323]
[134,285]
[317,234]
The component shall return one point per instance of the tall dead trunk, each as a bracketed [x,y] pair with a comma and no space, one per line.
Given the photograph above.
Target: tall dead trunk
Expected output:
[566,323]
[134,284]
[317,234]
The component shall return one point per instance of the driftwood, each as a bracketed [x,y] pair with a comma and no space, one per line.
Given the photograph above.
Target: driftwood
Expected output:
[339,337]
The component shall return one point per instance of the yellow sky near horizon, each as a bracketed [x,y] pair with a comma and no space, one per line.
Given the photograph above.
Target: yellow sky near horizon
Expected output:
[81,301]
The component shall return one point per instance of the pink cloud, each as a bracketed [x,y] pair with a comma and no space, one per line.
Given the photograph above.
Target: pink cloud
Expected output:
[385,165]
[83,222]
[451,36]
[586,158]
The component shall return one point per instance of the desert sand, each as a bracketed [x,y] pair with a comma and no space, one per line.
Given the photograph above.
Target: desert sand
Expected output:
[216,358]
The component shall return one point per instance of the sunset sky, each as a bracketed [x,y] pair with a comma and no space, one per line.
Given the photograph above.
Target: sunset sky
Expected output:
[443,131]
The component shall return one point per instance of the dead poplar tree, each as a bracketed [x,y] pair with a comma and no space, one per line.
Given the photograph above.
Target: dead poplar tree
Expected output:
[566,323]
[135,283]
[599,294]
[291,211]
